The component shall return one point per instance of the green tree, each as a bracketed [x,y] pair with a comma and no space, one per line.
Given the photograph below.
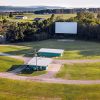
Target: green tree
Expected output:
[11,14]
[98,15]
[82,15]
[4,21]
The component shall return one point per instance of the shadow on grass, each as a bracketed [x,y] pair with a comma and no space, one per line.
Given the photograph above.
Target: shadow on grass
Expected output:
[24,69]
[83,53]
[91,52]
[25,52]
[85,48]
[13,67]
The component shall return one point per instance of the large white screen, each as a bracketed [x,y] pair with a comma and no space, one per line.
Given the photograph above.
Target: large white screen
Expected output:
[66,27]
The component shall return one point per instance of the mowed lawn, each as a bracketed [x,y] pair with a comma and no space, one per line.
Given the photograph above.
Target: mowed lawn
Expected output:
[9,48]
[73,49]
[7,62]
[21,90]
[80,71]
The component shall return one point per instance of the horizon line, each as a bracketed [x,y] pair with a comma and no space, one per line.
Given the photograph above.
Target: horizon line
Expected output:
[50,6]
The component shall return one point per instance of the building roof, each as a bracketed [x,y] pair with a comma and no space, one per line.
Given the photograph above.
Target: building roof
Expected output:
[21,16]
[51,50]
[40,61]
[39,19]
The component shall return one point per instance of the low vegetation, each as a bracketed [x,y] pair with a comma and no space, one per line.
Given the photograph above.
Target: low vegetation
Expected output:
[21,90]
[88,28]
[80,71]
[7,62]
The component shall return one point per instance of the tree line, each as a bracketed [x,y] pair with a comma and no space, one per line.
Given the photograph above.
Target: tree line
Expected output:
[67,11]
[88,28]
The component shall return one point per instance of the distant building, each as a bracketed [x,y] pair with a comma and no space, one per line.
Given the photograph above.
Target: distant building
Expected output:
[39,19]
[21,17]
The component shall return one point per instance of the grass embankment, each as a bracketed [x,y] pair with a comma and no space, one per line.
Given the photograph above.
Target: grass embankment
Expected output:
[80,71]
[73,49]
[21,90]
[7,62]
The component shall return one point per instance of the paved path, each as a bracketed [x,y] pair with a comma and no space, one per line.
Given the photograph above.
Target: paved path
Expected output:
[47,80]
[76,61]
[51,71]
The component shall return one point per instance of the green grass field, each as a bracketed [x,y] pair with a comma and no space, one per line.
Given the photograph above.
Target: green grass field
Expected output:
[73,50]
[31,17]
[21,90]
[13,48]
[7,62]
[80,71]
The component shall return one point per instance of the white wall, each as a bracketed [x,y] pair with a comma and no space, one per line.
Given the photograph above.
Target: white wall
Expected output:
[66,27]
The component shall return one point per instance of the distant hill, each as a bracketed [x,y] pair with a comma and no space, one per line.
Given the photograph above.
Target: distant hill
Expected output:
[30,8]
[46,9]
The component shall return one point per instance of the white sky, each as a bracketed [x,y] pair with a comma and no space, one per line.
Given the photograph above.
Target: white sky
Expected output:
[63,3]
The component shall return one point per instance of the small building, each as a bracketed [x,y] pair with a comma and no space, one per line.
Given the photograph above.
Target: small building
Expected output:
[40,62]
[21,17]
[45,52]
[39,19]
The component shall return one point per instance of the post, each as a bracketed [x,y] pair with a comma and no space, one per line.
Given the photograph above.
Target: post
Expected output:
[36,59]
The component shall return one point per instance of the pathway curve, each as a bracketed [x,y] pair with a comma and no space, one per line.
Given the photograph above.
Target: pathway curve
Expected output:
[51,71]
[47,80]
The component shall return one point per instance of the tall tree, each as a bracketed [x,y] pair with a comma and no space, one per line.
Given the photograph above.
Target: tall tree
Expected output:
[11,14]
[98,15]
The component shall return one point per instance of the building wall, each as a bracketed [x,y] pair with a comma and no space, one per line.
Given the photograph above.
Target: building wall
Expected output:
[44,54]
